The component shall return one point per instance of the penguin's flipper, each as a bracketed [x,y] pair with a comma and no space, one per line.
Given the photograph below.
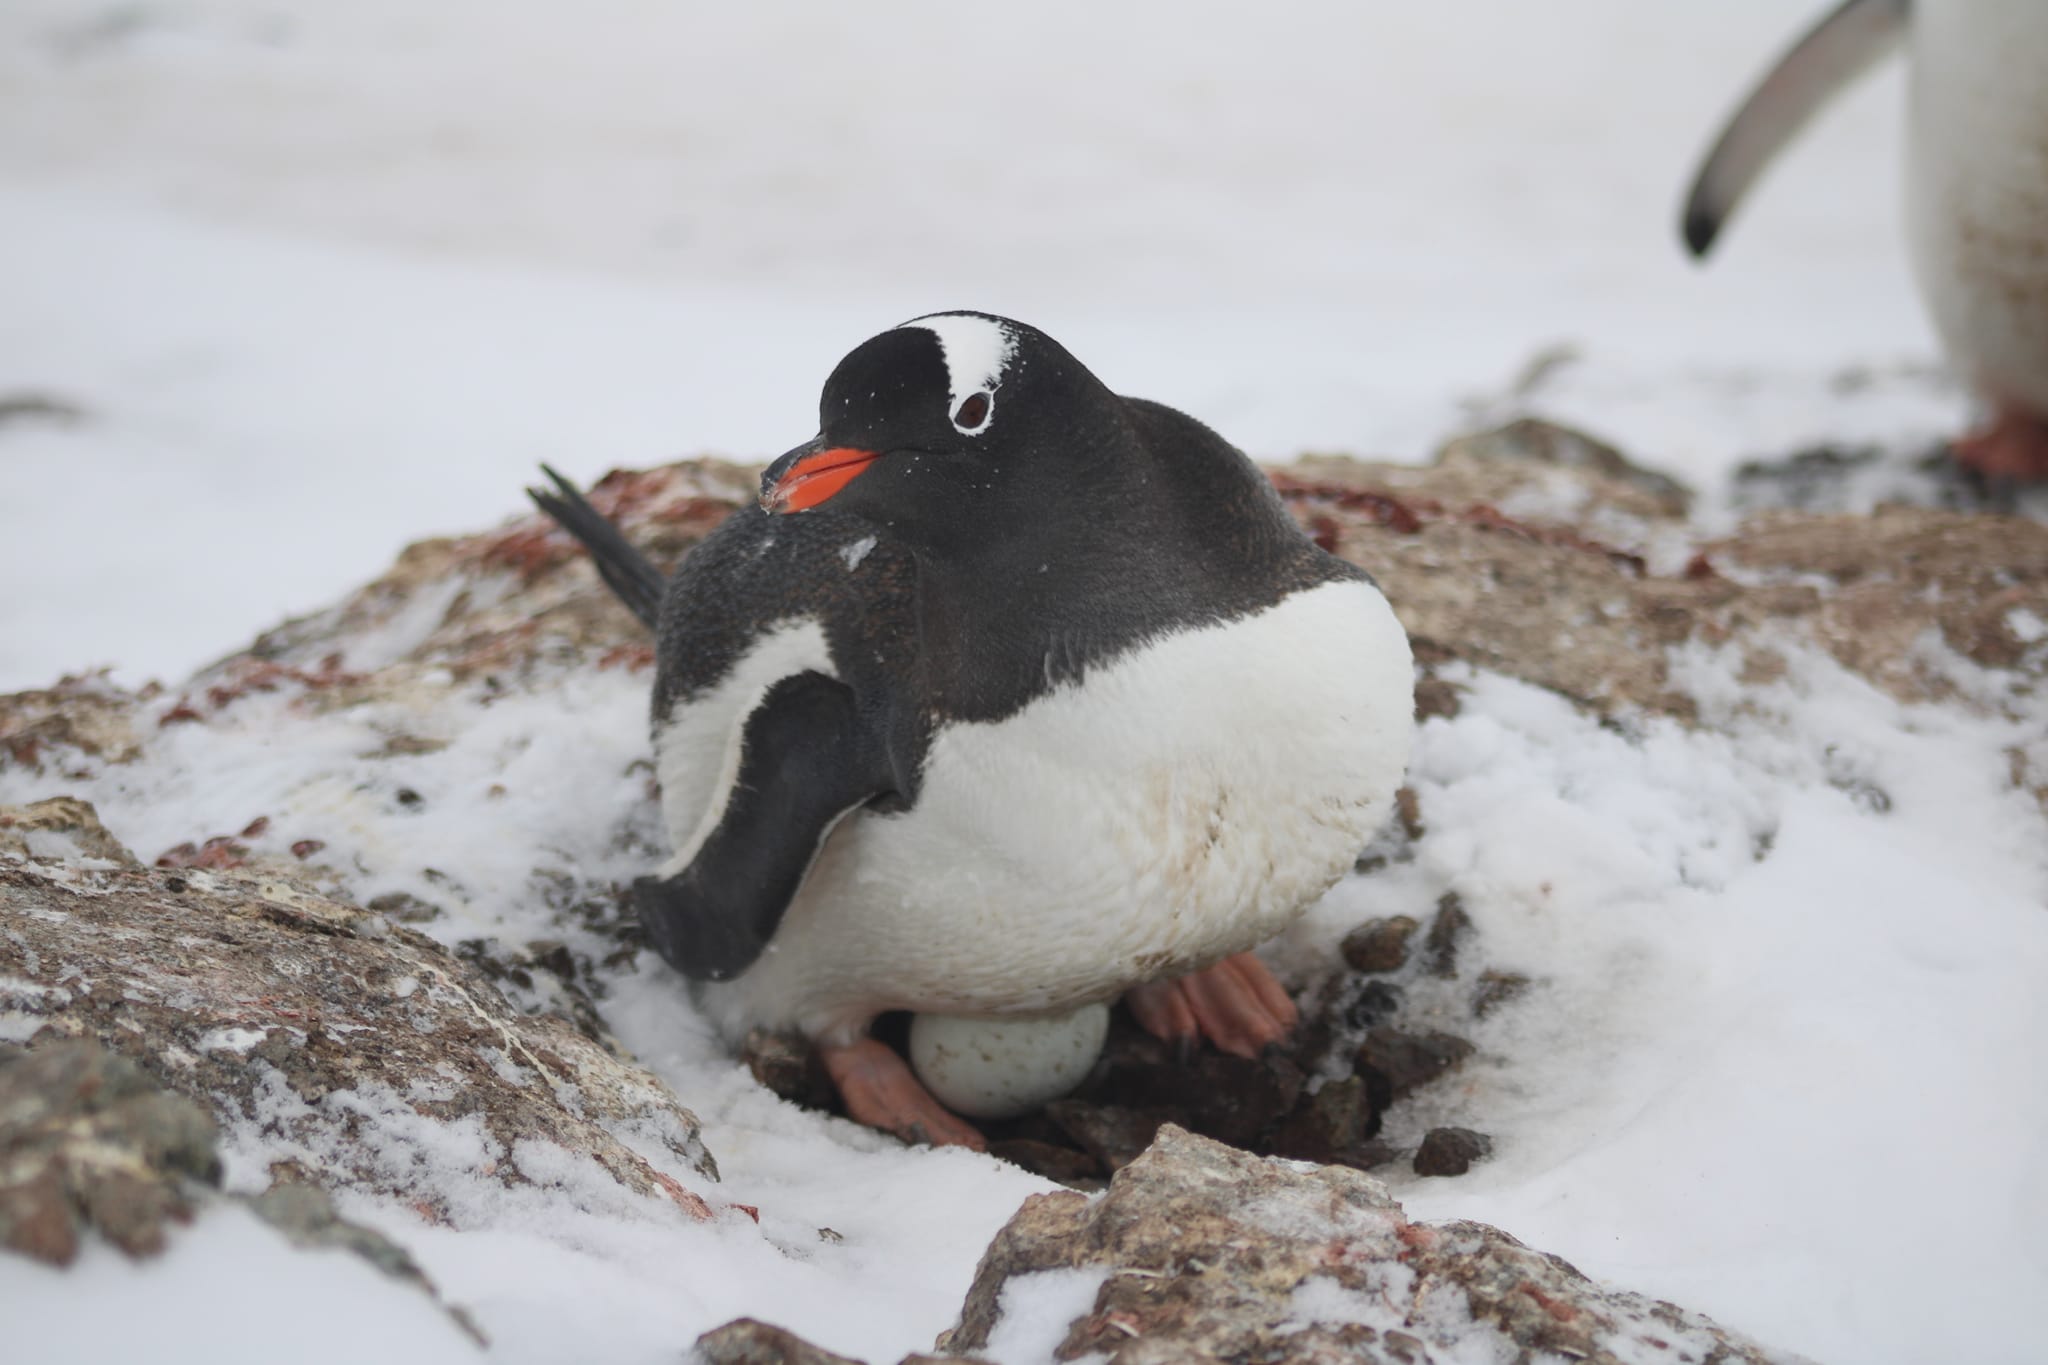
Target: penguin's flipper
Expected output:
[627,572]
[1841,47]
[805,760]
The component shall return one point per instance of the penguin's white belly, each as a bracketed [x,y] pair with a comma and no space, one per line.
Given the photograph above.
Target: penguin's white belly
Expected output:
[1182,803]
[1977,188]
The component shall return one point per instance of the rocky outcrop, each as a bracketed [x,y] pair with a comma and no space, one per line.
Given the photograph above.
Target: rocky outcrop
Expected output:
[342,1038]
[1207,1255]
[88,1140]
[1574,573]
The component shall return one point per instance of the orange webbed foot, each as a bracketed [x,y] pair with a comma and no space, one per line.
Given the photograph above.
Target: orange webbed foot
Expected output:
[880,1090]
[1236,1004]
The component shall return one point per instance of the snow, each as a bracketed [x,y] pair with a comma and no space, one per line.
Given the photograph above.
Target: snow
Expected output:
[1037,1310]
[1782,1090]
[233,1283]
[324,279]
[856,551]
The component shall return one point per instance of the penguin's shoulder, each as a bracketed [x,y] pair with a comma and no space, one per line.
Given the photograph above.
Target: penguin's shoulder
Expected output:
[756,575]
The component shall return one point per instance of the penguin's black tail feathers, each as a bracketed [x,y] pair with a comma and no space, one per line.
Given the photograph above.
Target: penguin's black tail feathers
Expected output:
[627,572]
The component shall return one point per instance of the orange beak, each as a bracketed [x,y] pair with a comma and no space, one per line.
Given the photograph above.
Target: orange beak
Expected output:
[803,479]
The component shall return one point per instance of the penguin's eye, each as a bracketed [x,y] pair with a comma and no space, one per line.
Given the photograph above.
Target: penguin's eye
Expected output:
[973,413]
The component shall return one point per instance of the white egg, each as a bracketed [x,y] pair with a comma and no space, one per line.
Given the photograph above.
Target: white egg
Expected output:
[1000,1066]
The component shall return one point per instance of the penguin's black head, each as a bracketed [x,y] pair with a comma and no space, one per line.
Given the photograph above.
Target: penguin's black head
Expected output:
[951,427]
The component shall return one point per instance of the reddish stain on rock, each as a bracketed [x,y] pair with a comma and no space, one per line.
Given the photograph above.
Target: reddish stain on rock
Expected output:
[633,657]
[1557,1308]
[218,853]
[1406,516]
[529,550]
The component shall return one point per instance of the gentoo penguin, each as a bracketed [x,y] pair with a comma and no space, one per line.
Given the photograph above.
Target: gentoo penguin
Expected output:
[1011,696]
[1976,187]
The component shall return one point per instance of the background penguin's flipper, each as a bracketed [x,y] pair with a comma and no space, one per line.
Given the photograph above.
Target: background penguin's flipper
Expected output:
[806,760]
[1841,47]
[626,571]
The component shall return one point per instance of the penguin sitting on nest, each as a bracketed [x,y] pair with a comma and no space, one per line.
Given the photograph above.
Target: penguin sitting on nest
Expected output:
[1976,187]
[1011,697]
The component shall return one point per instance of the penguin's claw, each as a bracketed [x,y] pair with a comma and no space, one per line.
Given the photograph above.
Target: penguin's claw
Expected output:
[880,1091]
[2013,449]
[1236,1004]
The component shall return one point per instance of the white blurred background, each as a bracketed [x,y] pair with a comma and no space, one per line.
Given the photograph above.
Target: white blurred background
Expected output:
[321,278]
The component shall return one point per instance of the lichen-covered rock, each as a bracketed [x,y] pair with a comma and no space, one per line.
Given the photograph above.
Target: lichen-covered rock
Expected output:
[1207,1253]
[1578,576]
[79,722]
[87,1139]
[371,1053]
[60,829]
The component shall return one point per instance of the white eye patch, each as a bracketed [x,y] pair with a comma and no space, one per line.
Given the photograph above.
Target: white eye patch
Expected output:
[977,350]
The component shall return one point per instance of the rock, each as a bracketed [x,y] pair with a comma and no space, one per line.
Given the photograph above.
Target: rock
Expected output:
[318,1023]
[1400,1060]
[306,1217]
[1447,929]
[30,406]
[1113,1135]
[1501,557]
[1140,1083]
[59,829]
[88,1140]
[1331,1125]
[1207,1253]
[79,723]
[1050,1160]
[1531,440]
[1379,945]
[1374,1003]
[1451,1151]
[749,1341]
[1436,698]
[1496,988]
[788,1065]
[1900,573]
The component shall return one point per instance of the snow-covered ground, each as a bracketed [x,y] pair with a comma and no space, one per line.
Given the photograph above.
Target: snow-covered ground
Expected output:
[324,278]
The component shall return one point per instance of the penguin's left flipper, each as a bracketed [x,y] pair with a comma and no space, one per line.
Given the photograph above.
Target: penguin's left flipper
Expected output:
[1853,37]
[806,760]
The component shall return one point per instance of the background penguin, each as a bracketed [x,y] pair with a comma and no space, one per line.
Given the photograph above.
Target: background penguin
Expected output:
[1011,696]
[1976,187]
